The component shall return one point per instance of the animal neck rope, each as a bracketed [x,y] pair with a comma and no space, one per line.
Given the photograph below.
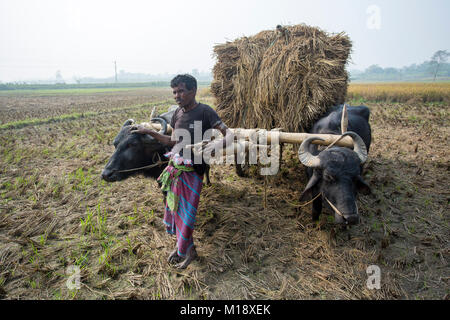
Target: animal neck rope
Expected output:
[156,164]
[159,163]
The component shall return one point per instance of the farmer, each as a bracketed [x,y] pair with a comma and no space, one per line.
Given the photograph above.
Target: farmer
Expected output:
[182,180]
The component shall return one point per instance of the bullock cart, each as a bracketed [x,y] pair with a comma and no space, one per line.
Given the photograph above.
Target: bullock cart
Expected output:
[247,140]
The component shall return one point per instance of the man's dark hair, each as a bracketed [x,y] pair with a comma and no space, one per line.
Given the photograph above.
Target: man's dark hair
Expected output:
[189,81]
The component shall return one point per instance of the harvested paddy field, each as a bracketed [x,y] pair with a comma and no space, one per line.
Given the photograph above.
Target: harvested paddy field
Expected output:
[56,213]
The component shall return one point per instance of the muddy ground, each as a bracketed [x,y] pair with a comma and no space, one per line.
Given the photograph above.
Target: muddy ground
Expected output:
[56,214]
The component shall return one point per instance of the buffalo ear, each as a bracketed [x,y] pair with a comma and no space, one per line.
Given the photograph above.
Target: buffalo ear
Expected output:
[362,186]
[128,122]
[311,183]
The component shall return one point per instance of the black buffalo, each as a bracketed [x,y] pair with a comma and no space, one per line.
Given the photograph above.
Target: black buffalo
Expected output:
[335,172]
[135,150]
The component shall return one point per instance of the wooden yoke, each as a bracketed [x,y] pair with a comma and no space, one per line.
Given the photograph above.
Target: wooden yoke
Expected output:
[294,137]
[284,137]
[253,135]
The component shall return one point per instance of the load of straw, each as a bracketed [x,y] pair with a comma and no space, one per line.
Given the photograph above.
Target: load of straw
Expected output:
[284,78]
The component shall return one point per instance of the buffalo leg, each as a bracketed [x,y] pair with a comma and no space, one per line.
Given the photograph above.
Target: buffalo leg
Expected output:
[317,208]
[242,169]
[207,181]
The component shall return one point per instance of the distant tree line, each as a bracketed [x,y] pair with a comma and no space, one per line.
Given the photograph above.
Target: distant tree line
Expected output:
[27,86]
[436,69]
[124,79]
[130,77]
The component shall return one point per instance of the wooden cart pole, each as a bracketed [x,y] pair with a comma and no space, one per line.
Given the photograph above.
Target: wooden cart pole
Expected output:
[283,137]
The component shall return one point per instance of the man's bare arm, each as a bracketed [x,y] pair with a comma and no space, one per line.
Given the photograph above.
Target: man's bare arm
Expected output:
[227,140]
[164,139]
[227,134]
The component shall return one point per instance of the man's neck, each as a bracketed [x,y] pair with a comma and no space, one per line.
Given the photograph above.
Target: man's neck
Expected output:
[190,107]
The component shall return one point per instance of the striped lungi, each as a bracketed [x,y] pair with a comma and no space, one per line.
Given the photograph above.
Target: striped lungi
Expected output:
[181,202]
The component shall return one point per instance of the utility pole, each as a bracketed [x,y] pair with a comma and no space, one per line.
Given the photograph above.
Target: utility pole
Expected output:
[115,70]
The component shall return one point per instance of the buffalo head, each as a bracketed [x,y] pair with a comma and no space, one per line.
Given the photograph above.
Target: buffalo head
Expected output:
[134,150]
[336,177]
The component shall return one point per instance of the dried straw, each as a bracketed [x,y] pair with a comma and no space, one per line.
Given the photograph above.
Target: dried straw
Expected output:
[284,78]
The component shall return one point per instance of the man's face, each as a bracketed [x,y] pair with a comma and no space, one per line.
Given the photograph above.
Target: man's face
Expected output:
[183,96]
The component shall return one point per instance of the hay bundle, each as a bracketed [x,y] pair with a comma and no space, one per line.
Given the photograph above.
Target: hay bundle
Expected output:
[285,78]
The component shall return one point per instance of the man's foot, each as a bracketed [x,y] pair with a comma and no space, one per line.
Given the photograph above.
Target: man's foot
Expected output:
[174,257]
[190,256]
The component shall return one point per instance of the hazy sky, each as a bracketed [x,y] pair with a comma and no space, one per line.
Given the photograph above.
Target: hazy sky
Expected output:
[84,38]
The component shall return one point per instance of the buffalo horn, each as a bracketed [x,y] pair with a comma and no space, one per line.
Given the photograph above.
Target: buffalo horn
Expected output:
[163,124]
[149,139]
[344,119]
[358,146]
[152,115]
[305,156]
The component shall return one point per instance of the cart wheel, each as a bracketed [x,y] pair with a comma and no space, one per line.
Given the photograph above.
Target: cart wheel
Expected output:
[242,170]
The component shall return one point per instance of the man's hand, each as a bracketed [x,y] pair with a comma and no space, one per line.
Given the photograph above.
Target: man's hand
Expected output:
[156,135]
[219,144]
[210,148]
[140,129]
